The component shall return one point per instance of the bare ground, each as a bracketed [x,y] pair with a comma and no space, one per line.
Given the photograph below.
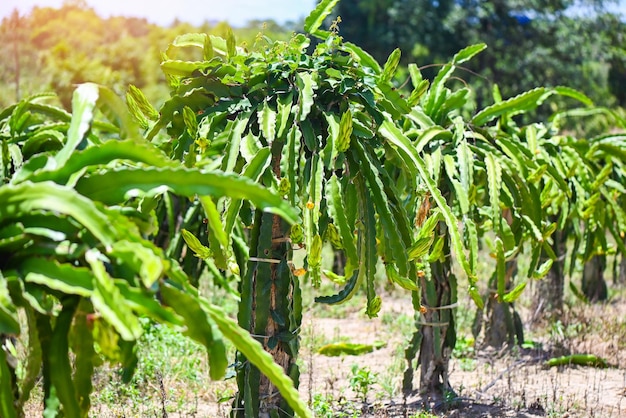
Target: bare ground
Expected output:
[510,383]
[487,383]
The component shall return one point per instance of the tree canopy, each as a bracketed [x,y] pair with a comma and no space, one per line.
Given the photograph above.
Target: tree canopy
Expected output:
[530,43]
[75,45]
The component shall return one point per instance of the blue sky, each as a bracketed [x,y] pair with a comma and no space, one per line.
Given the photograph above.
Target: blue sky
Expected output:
[236,12]
[163,12]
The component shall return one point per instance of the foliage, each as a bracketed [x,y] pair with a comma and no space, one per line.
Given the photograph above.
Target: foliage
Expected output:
[310,125]
[592,208]
[478,162]
[328,130]
[293,144]
[74,255]
[417,28]
[506,185]
[303,109]
[75,45]
[550,41]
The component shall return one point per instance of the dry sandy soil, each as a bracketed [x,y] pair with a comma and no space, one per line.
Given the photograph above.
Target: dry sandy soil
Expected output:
[509,383]
[487,383]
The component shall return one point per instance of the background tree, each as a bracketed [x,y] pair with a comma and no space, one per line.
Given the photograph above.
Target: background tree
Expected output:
[418,28]
[587,211]
[19,57]
[551,41]
[75,45]
[603,213]
[479,167]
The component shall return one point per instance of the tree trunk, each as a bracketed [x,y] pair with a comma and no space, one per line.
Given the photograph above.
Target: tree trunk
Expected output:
[621,277]
[548,300]
[438,330]
[271,309]
[436,334]
[503,324]
[15,24]
[594,285]
[497,324]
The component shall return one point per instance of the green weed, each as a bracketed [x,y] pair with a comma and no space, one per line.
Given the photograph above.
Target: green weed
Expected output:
[361,381]
[423,414]
[464,347]
[171,373]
